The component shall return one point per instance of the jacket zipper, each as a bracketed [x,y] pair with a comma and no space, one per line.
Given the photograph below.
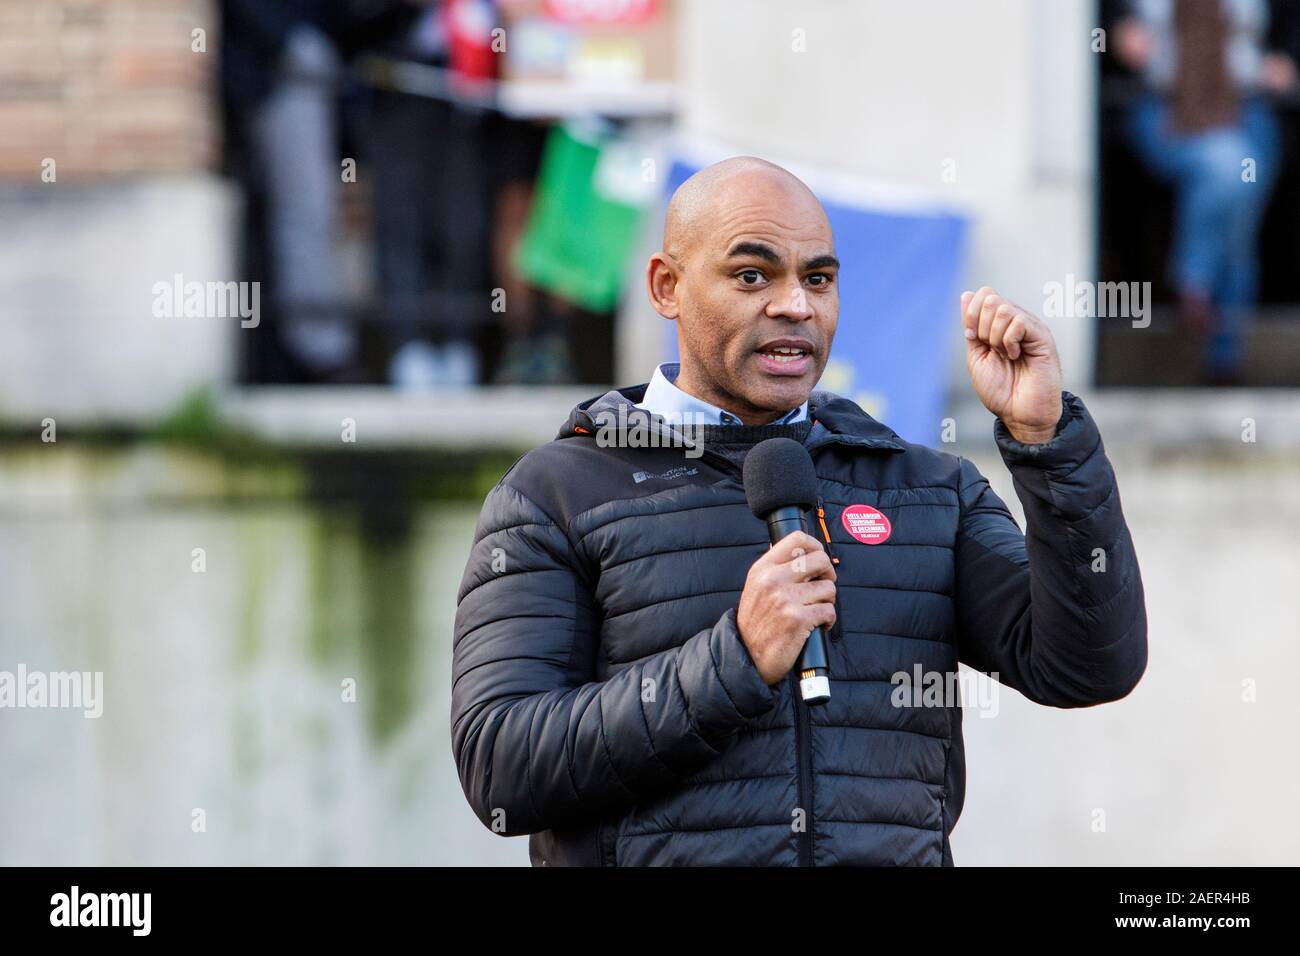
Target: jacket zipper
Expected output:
[821,520]
[830,552]
[943,802]
[803,747]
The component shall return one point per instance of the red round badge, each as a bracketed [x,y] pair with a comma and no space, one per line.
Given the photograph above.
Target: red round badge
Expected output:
[866,524]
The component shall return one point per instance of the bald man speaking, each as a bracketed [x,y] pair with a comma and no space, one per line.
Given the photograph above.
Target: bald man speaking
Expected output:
[625,685]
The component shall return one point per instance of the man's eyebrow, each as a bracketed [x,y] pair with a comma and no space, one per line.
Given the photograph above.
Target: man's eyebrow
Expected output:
[759,249]
[826,261]
[763,251]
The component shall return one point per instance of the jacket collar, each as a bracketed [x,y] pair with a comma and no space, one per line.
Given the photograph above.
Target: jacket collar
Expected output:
[836,420]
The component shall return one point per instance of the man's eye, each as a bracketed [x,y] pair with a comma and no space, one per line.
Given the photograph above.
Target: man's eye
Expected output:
[750,276]
[819,279]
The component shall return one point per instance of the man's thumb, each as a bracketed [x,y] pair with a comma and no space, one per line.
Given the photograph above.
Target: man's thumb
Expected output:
[970,327]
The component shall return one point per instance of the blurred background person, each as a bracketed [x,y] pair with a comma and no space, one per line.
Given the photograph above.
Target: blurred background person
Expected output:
[452,194]
[1207,68]
[447,194]
[429,204]
[282,69]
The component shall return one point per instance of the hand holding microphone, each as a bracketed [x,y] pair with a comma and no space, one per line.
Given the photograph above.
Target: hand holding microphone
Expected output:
[789,594]
[789,591]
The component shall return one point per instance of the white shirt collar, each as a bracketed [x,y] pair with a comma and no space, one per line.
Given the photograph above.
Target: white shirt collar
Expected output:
[676,407]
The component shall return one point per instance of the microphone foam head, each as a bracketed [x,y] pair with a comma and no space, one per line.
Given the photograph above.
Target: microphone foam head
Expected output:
[779,472]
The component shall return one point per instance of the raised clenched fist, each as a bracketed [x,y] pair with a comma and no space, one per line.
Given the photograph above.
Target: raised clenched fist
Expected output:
[1013,364]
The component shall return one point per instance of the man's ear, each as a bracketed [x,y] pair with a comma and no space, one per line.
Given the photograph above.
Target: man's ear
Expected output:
[662,274]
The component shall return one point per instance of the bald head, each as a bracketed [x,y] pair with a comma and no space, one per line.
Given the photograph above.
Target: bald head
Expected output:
[749,274]
[703,201]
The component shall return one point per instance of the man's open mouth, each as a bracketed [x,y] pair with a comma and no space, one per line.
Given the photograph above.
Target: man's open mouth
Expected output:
[786,356]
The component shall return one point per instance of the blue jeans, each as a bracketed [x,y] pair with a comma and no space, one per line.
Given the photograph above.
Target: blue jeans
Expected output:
[1218,211]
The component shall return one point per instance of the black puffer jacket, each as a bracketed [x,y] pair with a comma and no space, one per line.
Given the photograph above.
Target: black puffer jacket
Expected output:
[604,701]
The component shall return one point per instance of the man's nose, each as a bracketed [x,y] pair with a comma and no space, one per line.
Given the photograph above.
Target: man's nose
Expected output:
[790,302]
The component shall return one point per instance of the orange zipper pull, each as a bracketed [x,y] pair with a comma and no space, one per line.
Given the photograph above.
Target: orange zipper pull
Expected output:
[821,519]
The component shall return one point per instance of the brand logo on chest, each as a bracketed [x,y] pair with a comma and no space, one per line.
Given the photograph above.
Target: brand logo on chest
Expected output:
[681,471]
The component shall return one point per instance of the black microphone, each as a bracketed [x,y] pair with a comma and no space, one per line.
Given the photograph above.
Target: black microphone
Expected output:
[781,484]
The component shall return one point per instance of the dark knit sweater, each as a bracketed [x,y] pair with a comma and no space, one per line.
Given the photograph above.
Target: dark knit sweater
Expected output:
[735,441]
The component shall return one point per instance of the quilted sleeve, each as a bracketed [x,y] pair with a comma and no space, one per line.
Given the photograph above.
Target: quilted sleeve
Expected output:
[539,742]
[1057,613]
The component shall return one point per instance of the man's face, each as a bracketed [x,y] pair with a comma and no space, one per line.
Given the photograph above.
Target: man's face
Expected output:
[757,298]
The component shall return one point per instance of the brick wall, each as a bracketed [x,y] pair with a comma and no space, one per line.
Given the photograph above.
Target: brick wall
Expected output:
[106,88]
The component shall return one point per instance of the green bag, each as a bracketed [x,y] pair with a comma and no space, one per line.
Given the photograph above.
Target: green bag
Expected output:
[591,194]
